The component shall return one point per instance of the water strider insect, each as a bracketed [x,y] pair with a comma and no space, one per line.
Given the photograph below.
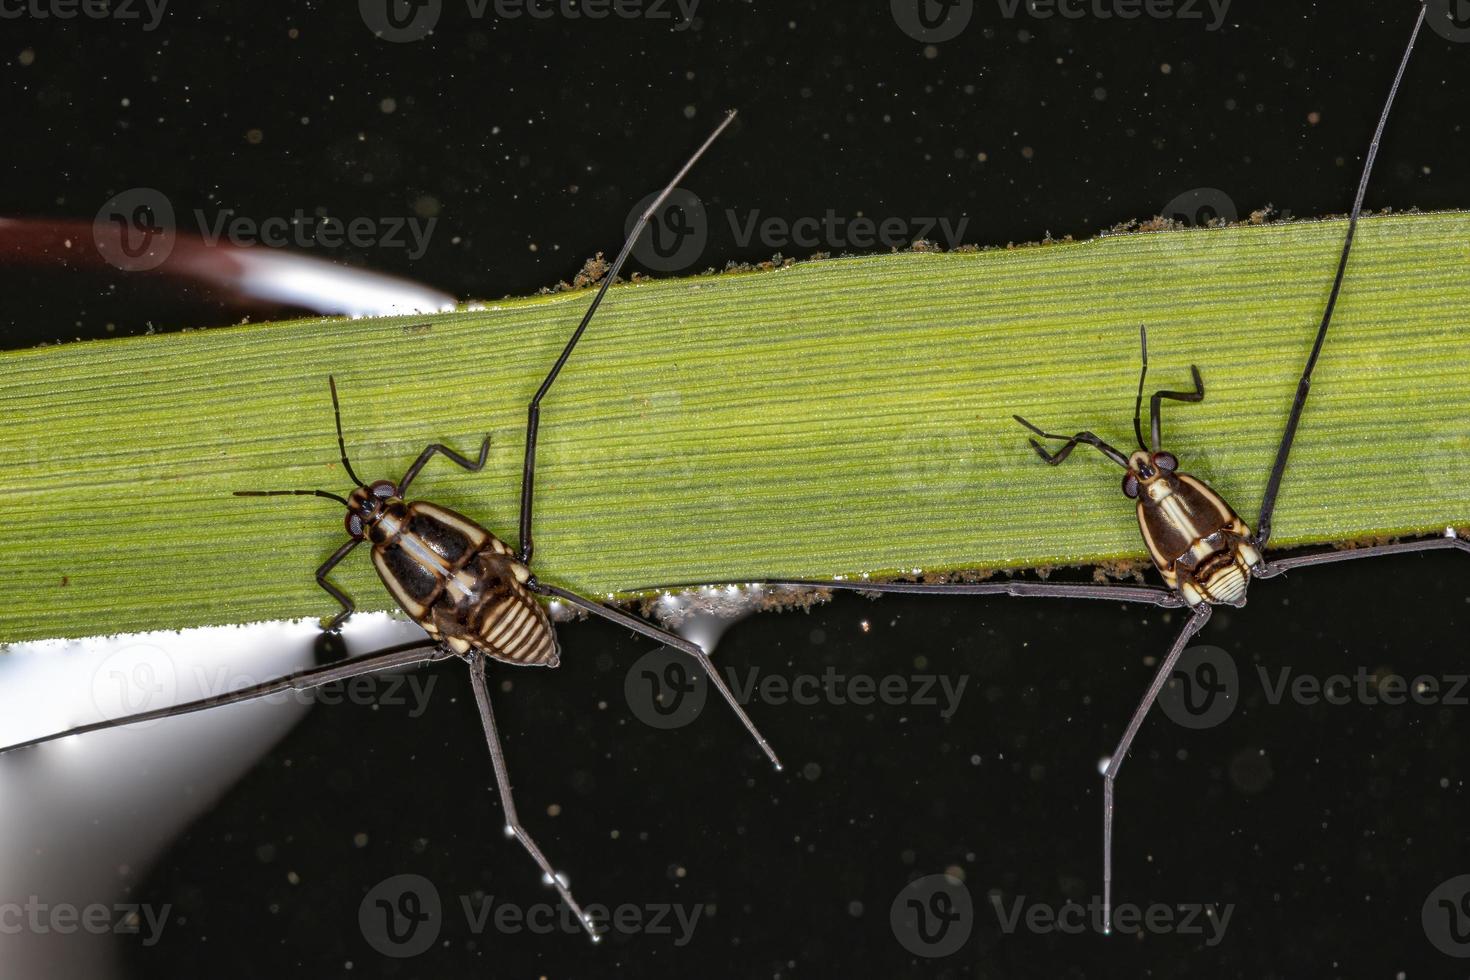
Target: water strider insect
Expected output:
[1205,553]
[473,595]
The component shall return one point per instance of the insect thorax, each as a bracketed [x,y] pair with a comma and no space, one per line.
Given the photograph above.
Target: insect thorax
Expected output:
[461,583]
[1199,544]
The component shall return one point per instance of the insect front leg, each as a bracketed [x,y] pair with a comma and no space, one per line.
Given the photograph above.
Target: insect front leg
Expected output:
[1060,456]
[348,606]
[454,457]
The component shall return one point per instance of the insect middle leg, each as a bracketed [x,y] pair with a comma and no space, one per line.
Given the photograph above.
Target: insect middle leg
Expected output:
[1152,595]
[348,606]
[1450,539]
[513,826]
[668,639]
[454,457]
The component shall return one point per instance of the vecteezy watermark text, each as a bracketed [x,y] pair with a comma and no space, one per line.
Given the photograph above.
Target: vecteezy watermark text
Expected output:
[65,919]
[136,230]
[119,10]
[402,916]
[404,21]
[1206,686]
[937,21]
[1185,10]
[679,231]
[143,677]
[666,689]
[934,916]
[1185,919]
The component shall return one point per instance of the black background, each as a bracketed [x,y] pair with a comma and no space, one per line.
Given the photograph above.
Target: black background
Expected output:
[1326,827]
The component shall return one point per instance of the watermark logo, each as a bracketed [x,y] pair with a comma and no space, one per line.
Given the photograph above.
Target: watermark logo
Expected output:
[937,459]
[64,919]
[1445,457]
[933,916]
[1446,917]
[401,916]
[667,689]
[932,21]
[126,11]
[1202,207]
[401,21]
[132,680]
[1203,689]
[1450,19]
[677,232]
[134,230]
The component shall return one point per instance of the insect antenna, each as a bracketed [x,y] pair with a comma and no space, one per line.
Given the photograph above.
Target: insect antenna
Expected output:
[1138,402]
[1278,468]
[533,412]
[293,493]
[341,446]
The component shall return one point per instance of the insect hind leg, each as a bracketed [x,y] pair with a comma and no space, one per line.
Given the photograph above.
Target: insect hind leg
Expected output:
[1115,762]
[513,826]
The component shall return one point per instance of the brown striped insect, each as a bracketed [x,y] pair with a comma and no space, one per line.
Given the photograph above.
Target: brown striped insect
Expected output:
[1202,549]
[473,595]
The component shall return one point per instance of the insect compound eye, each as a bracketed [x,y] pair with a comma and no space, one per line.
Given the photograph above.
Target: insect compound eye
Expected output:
[354,524]
[1130,487]
[1166,462]
[384,489]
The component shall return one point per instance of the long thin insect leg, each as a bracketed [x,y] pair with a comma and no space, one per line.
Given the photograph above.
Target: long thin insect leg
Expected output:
[533,411]
[402,655]
[348,606]
[1278,468]
[474,466]
[513,826]
[1115,762]
[668,639]
[1060,455]
[1117,593]
[1280,565]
